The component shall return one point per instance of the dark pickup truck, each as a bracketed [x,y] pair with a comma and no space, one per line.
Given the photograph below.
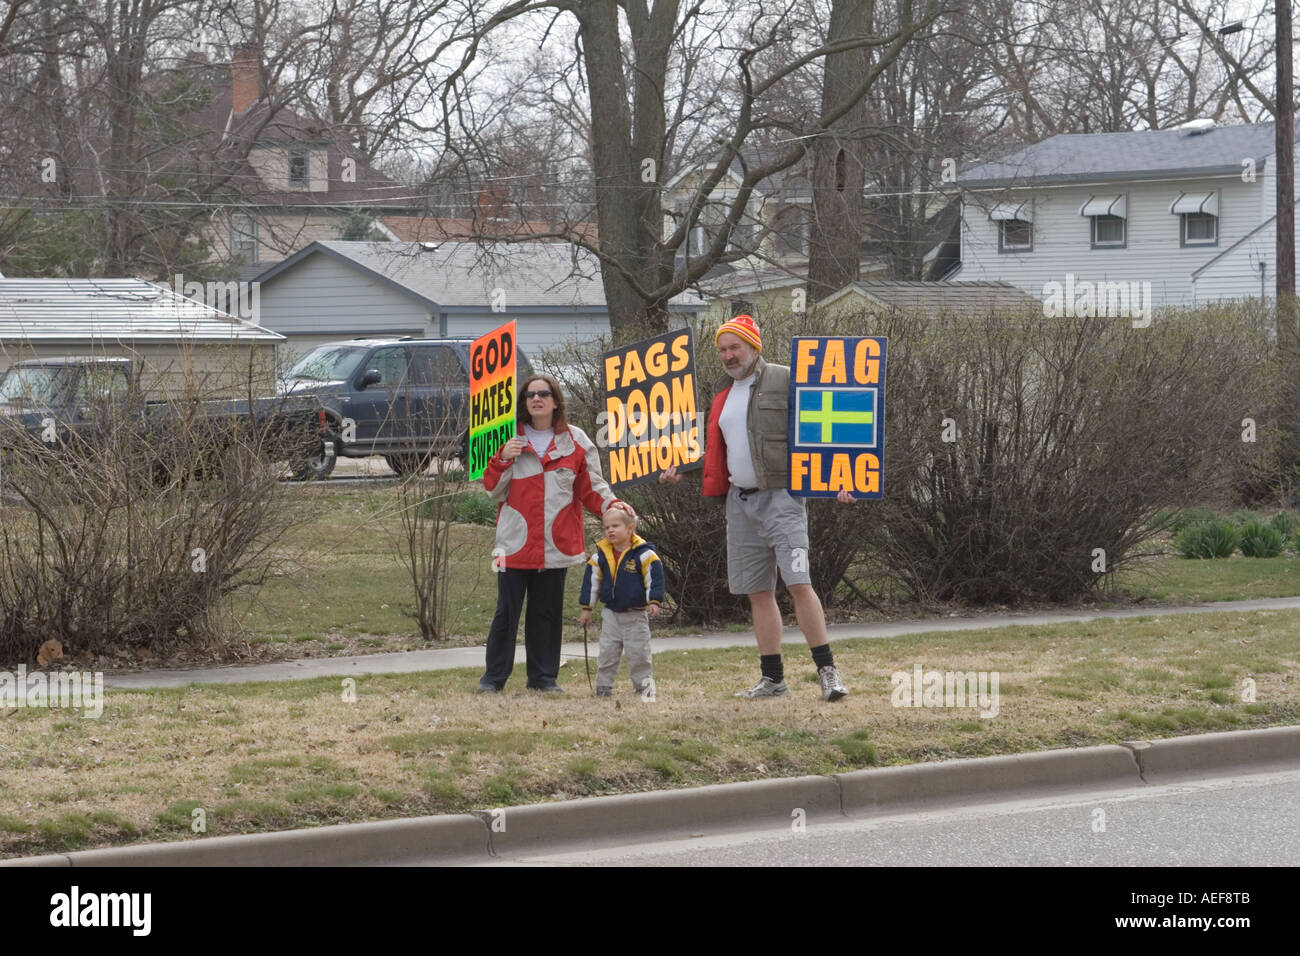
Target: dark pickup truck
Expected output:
[55,401]
[406,399]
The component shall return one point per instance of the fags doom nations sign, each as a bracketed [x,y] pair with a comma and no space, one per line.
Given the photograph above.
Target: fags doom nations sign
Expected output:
[650,422]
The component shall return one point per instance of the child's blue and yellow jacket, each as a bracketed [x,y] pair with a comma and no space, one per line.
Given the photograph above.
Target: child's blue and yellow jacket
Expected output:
[637,581]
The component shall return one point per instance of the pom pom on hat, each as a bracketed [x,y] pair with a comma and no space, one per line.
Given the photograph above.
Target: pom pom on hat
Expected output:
[745,327]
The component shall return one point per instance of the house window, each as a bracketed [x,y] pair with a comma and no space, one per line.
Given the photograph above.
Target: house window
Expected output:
[744,307]
[1015,235]
[298,170]
[1108,217]
[1200,229]
[742,236]
[707,226]
[1198,215]
[793,231]
[243,238]
[1107,231]
[1015,226]
[695,235]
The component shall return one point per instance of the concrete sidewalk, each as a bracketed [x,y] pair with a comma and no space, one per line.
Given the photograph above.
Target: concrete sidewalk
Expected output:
[407,662]
[571,825]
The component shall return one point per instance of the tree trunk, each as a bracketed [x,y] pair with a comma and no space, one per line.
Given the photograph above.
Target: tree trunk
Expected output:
[839,159]
[629,215]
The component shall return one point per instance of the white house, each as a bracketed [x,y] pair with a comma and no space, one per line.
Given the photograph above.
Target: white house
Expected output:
[1188,210]
[781,205]
[776,228]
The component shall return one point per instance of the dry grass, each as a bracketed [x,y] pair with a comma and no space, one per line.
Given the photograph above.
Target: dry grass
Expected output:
[274,756]
[345,594]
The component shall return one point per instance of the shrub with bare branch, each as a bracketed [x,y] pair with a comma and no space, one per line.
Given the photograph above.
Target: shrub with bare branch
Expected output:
[128,534]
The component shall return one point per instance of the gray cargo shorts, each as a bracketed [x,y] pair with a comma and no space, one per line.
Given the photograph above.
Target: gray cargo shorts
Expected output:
[766,530]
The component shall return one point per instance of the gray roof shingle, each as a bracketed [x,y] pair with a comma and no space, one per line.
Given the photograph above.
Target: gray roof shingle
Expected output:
[935,297]
[114,310]
[1148,154]
[464,274]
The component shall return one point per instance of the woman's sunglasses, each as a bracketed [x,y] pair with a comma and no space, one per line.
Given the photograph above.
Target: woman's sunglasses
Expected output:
[544,393]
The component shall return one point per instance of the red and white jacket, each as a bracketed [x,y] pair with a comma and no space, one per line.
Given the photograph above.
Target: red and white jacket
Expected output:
[540,499]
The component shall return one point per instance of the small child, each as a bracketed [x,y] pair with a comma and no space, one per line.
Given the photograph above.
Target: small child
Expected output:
[627,576]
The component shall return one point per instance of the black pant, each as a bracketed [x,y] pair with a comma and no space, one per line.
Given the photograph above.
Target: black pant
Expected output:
[543,626]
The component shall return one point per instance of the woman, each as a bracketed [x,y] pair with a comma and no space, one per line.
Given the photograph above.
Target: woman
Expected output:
[541,479]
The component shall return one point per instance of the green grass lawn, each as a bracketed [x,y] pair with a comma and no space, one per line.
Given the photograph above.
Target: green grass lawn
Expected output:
[256,757]
[345,592]
[350,593]
[1175,580]
[349,589]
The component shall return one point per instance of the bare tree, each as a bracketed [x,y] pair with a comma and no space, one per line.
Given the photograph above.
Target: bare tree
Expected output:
[113,163]
[1096,66]
[626,87]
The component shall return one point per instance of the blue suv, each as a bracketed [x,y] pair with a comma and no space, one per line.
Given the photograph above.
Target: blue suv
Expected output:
[406,399]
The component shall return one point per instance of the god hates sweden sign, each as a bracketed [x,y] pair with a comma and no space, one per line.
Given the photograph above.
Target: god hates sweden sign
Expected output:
[491,396]
[837,416]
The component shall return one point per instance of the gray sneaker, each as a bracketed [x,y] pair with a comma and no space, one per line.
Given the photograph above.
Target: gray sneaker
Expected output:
[832,686]
[766,687]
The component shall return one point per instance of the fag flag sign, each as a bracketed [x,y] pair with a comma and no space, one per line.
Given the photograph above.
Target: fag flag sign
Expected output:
[491,396]
[837,416]
[650,422]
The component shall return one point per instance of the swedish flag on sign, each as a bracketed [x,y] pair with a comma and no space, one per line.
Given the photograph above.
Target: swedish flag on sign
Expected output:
[836,416]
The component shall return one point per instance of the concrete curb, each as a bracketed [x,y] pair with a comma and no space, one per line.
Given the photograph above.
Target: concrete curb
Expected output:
[667,813]
[607,821]
[1236,749]
[384,841]
[1045,771]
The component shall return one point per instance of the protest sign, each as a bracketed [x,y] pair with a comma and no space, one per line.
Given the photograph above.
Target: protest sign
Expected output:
[837,416]
[492,390]
[650,422]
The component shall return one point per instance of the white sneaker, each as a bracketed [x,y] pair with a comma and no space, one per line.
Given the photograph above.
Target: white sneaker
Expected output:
[648,691]
[766,687]
[832,687]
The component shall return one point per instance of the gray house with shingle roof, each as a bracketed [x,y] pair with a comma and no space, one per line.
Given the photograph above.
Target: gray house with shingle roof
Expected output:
[968,298]
[1188,210]
[175,342]
[340,290]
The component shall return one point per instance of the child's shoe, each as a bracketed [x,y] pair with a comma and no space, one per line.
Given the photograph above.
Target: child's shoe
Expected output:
[647,690]
[604,692]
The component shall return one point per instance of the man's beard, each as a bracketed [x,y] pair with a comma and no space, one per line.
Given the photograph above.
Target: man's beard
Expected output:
[744,369]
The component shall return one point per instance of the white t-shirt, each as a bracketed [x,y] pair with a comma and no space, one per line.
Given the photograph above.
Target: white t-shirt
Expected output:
[539,438]
[734,423]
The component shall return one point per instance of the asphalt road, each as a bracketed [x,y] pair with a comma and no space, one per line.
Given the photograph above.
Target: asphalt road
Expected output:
[1245,820]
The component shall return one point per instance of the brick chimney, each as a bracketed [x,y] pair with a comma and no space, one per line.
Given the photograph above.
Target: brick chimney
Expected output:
[245,77]
[491,203]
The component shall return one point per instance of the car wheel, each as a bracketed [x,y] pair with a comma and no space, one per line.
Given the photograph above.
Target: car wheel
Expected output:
[409,463]
[317,466]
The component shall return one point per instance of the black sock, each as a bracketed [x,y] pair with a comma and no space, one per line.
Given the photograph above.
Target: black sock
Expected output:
[822,656]
[772,667]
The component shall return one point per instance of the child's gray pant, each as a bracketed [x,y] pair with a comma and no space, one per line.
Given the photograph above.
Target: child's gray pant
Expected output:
[624,632]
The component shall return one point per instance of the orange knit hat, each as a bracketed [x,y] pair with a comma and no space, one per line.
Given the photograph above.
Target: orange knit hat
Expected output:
[745,327]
